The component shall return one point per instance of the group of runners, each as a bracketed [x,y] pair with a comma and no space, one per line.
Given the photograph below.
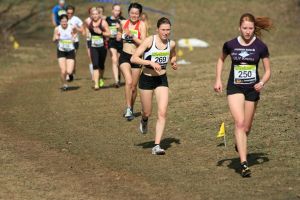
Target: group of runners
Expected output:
[143,59]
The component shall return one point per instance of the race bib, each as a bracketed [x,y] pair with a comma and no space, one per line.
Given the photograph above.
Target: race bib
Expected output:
[244,74]
[97,41]
[161,58]
[113,31]
[66,45]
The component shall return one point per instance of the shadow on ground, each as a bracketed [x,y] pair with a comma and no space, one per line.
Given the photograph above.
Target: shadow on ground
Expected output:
[165,143]
[70,88]
[253,159]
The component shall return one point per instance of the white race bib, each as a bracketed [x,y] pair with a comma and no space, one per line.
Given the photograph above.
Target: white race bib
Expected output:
[66,45]
[161,58]
[97,41]
[244,74]
[113,31]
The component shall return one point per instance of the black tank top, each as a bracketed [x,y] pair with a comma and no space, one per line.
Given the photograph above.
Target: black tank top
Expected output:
[91,28]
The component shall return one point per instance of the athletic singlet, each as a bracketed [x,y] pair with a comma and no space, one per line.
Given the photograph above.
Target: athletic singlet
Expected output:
[112,26]
[96,38]
[157,55]
[245,59]
[135,32]
[66,40]
[75,21]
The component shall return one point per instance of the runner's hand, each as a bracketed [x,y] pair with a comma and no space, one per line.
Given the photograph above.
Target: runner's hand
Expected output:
[156,67]
[218,86]
[119,37]
[128,33]
[258,86]
[57,36]
[174,65]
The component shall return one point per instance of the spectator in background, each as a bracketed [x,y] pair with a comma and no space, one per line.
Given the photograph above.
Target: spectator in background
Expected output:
[57,11]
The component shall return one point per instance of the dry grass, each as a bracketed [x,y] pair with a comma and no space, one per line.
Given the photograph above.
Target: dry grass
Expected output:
[76,145]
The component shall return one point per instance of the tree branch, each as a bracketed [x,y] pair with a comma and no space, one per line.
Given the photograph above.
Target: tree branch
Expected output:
[31,14]
[8,8]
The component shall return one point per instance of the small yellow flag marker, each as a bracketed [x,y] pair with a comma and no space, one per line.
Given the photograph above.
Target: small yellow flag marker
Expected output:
[221,132]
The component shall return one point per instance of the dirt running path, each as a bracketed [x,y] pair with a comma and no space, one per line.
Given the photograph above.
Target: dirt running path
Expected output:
[76,145]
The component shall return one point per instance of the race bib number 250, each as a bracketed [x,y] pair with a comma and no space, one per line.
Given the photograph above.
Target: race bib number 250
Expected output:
[244,74]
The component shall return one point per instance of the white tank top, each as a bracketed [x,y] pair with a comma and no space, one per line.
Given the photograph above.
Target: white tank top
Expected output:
[157,55]
[66,40]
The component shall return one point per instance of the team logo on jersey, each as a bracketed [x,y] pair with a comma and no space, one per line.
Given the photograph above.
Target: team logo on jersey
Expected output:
[244,54]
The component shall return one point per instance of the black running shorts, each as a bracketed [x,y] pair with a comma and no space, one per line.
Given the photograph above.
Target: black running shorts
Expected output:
[114,44]
[250,93]
[152,82]
[66,54]
[125,58]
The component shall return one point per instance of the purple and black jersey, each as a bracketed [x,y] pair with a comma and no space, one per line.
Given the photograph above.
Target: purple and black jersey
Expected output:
[245,59]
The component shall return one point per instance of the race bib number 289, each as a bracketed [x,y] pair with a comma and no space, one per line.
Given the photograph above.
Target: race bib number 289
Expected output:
[244,74]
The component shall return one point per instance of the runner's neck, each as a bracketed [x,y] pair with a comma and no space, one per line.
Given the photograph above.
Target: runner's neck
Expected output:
[245,43]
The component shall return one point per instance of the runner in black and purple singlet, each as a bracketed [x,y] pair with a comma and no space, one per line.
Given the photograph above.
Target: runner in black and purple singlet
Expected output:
[244,85]
[244,67]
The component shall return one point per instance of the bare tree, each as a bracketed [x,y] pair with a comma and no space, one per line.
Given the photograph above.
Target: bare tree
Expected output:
[11,18]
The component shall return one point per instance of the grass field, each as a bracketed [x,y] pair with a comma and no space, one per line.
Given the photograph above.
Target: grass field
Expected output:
[76,145]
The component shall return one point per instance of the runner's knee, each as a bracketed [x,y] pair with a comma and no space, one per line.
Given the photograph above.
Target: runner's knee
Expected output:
[162,114]
[240,125]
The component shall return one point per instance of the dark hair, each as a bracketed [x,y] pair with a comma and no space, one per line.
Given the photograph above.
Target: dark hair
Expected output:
[163,20]
[102,7]
[260,23]
[63,16]
[115,4]
[137,6]
[70,7]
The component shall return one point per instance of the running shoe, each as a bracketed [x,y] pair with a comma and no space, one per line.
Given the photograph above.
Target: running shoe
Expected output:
[65,87]
[71,78]
[117,85]
[101,82]
[144,126]
[128,114]
[246,172]
[158,151]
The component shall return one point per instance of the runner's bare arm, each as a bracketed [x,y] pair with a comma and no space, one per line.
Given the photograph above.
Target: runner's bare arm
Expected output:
[120,29]
[85,27]
[80,29]
[266,63]
[143,31]
[173,55]
[136,57]
[106,31]
[218,83]
[74,33]
[53,19]
[55,35]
